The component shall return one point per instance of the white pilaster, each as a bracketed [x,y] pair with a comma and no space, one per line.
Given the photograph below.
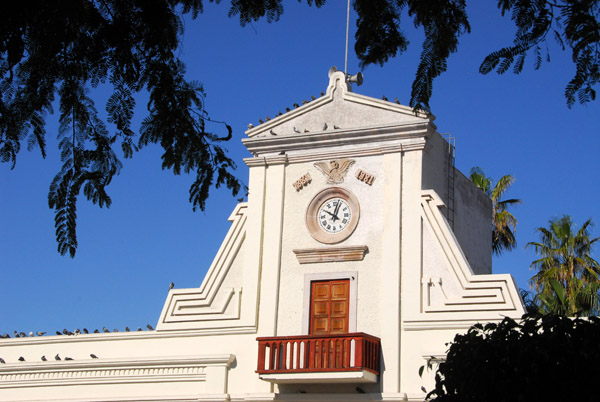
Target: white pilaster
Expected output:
[390,272]
[271,255]
[411,253]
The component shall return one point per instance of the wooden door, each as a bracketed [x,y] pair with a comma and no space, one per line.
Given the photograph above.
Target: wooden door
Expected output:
[329,307]
[329,302]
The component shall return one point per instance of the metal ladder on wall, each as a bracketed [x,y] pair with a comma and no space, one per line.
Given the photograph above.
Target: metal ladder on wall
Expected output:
[451,157]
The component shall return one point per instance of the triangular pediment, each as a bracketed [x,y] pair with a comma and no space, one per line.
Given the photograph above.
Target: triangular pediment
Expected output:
[338,109]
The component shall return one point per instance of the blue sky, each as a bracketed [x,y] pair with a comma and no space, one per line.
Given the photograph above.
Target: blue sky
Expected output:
[128,254]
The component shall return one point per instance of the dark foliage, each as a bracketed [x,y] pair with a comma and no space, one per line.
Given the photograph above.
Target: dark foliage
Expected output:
[573,24]
[541,358]
[61,50]
[379,37]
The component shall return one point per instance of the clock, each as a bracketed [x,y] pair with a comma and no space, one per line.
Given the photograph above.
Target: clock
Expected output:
[332,215]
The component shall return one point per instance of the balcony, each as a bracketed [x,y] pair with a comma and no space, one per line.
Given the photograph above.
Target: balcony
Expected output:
[319,358]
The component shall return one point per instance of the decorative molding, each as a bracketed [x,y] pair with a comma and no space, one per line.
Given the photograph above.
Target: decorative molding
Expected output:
[437,357]
[211,306]
[477,293]
[193,308]
[273,160]
[110,371]
[334,171]
[126,336]
[254,397]
[328,377]
[458,324]
[302,182]
[402,133]
[330,254]
[365,177]
[370,150]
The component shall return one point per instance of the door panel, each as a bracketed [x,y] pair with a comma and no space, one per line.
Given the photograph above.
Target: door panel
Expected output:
[329,307]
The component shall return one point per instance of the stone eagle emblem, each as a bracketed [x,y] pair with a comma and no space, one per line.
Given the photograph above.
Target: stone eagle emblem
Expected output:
[335,170]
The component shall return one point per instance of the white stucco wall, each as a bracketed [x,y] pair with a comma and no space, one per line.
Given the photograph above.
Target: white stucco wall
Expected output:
[473,223]
[435,166]
[296,236]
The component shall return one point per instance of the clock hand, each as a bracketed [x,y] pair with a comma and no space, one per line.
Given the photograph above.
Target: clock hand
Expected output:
[332,215]
[335,211]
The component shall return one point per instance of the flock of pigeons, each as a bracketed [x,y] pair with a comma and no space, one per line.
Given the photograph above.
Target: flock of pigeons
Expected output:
[67,332]
[64,332]
[44,359]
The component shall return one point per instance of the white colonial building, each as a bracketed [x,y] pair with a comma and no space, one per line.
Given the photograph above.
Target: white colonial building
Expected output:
[360,253]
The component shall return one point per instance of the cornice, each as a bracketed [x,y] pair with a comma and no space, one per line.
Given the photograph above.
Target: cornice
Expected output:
[259,146]
[160,398]
[429,324]
[127,336]
[330,254]
[103,371]
[414,145]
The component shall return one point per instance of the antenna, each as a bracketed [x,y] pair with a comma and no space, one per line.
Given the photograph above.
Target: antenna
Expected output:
[347,30]
[350,79]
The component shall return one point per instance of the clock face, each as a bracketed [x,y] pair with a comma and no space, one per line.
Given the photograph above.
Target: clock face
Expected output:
[332,215]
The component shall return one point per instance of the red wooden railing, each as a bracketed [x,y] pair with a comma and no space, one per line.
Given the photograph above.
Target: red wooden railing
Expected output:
[318,353]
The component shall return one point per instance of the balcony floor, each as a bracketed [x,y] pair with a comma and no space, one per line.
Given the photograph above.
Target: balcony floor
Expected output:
[358,376]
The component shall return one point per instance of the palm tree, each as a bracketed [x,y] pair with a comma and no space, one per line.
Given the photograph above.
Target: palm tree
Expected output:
[504,224]
[567,281]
